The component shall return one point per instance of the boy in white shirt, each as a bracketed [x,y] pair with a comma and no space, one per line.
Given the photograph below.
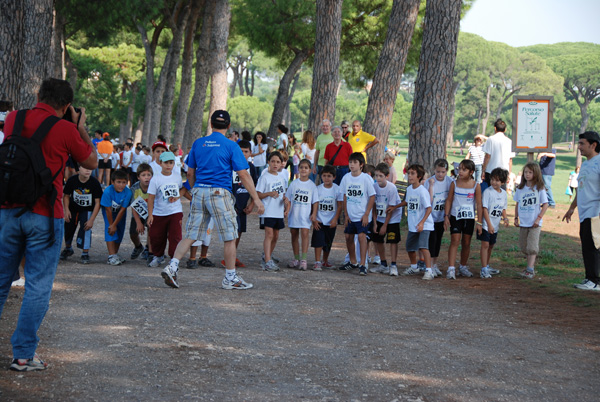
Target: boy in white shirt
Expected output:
[359,198]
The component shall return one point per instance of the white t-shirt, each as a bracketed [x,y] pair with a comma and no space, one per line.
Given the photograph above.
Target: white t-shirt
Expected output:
[418,200]
[137,160]
[283,141]
[115,160]
[328,198]
[387,197]
[588,190]
[440,194]
[477,154]
[302,195]
[498,146]
[268,182]
[529,201]
[156,168]
[163,187]
[308,153]
[358,190]
[260,160]
[495,202]
[127,155]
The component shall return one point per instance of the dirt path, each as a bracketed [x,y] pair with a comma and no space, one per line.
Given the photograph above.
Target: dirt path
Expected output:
[118,333]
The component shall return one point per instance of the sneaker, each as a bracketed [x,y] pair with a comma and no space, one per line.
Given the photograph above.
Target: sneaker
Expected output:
[136,252]
[421,265]
[303,265]
[236,283]
[113,260]
[145,253]
[327,265]
[411,271]
[428,275]
[270,266]
[451,274]
[362,270]
[384,270]
[123,260]
[66,253]
[317,266]
[239,264]
[436,271]
[485,273]
[205,262]
[527,274]
[191,264]
[348,266]
[376,260]
[463,270]
[585,285]
[18,283]
[393,270]
[376,269]
[156,261]
[169,274]
[85,258]
[493,271]
[293,264]
[275,259]
[33,364]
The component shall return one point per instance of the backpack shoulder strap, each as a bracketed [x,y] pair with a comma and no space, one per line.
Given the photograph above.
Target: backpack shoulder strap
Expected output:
[19,122]
[44,129]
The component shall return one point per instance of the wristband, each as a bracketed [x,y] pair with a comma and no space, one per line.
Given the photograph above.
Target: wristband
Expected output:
[479,223]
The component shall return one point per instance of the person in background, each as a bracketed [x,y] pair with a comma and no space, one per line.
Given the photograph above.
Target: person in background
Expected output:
[345,130]
[323,140]
[476,154]
[547,165]
[105,151]
[360,140]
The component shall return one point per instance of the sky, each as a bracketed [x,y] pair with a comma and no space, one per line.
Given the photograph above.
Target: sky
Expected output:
[531,22]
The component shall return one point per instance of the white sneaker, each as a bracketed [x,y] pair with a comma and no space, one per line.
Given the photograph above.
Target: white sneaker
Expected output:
[113,260]
[485,273]
[385,270]
[393,270]
[428,275]
[18,283]
[170,276]
[236,283]
[156,261]
[317,266]
[463,270]
[376,260]
[587,285]
[451,274]
[411,271]
[271,266]
[436,271]
[376,269]
[493,271]
[121,259]
[293,264]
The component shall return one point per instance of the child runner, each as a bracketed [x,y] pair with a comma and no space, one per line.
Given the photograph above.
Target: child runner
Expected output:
[115,200]
[464,197]
[359,198]
[420,222]
[330,207]
[139,211]
[81,201]
[271,189]
[304,202]
[438,187]
[494,202]
[388,224]
[259,152]
[532,203]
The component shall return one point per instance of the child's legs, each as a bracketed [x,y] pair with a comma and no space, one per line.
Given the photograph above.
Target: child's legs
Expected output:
[133,234]
[295,247]
[435,241]
[304,237]
[158,235]
[203,251]
[350,247]
[318,251]
[531,260]
[174,231]
[426,257]
[112,247]
[84,237]
[465,249]
[268,243]
[329,237]
[485,253]
[362,240]
[193,251]
[70,228]
[274,240]
[489,256]
[453,249]
[393,251]
[380,247]
[529,239]
[412,256]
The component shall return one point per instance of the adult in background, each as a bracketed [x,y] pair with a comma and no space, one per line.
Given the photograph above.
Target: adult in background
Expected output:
[588,201]
[498,153]
[323,140]
[282,141]
[345,130]
[547,165]
[338,154]
[105,151]
[361,141]
[235,136]
[476,154]
[259,152]
[211,162]
[27,234]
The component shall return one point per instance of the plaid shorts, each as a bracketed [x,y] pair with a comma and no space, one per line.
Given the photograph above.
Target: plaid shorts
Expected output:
[216,203]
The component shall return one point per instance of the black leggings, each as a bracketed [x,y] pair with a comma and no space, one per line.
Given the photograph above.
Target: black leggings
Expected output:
[435,239]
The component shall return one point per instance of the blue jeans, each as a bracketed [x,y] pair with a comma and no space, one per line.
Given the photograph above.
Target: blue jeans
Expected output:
[28,236]
[548,184]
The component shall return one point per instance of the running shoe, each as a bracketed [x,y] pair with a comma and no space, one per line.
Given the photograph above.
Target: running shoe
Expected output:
[156,261]
[271,266]
[485,273]
[421,265]
[393,270]
[191,264]
[317,266]
[327,264]
[33,364]
[303,265]
[236,283]
[384,269]
[85,258]
[205,262]
[170,276]
[362,270]
[113,260]
[136,252]
[428,275]
[451,273]
[463,270]
[527,274]
[348,266]
[123,260]
[145,253]
[411,271]
[293,264]
[239,264]
[436,271]
[587,285]
[66,253]
[376,269]
[493,271]
[19,283]
[376,260]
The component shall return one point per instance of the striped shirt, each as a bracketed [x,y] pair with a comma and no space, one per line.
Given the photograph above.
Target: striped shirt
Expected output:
[477,154]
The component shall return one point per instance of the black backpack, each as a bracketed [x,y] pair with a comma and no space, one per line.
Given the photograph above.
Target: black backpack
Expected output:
[24,176]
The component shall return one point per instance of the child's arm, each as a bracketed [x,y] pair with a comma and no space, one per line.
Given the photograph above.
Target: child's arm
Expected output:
[313,215]
[486,217]
[66,200]
[139,226]
[517,214]
[479,206]
[286,207]
[346,209]
[383,229]
[421,224]
[365,218]
[109,218]
[249,207]
[431,185]
[545,207]
[262,196]
[448,206]
[504,217]
[336,217]
[185,194]
[150,209]
[90,222]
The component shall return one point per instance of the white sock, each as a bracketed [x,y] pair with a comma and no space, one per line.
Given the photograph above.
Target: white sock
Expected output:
[230,273]
[451,268]
[413,265]
[429,270]
[175,262]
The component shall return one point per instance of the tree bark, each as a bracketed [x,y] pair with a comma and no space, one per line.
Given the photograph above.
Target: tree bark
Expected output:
[429,115]
[487,110]
[327,63]
[193,124]
[149,84]
[218,46]
[186,72]
[58,46]
[122,125]
[284,90]
[388,74]
[451,111]
[25,49]
[135,87]
[288,113]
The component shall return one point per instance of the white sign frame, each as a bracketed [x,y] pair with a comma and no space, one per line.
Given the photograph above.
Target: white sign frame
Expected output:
[532,123]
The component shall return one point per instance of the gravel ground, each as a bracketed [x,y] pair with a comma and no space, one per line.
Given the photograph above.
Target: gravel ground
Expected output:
[119,333]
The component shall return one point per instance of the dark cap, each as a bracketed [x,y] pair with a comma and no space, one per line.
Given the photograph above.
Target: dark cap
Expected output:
[591,136]
[221,117]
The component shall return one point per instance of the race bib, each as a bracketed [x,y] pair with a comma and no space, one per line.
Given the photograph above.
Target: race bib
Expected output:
[301,197]
[496,212]
[529,200]
[327,204]
[169,190]
[278,187]
[236,178]
[412,205]
[141,207]
[439,203]
[115,206]
[465,212]
[83,200]
[354,193]
[380,208]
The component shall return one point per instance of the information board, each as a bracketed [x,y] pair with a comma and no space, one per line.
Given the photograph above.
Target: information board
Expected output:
[532,123]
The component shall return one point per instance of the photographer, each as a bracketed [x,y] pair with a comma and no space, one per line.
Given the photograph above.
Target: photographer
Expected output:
[26,233]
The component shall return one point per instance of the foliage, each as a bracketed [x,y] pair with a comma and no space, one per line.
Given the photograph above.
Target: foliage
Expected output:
[249,113]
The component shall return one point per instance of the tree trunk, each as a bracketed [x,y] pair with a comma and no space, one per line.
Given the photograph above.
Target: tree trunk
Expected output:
[288,113]
[388,75]
[249,85]
[240,77]
[193,124]
[283,91]
[487,110]
[186,72]
[236,72]
[149,84]
[429,116]
[123,125]
[451,111]
[135,87]
[585,117]
[327,63]
[479,120]
[25,43]
[218,46]
[58,46]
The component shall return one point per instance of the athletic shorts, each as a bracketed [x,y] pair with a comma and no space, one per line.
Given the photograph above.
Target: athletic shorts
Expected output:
[104,165]
[464,226]
[241,221]
[529,240]
[275,223]
[118,236]
[391,236]
[416,241]
[214,203]
[323,237]
[486,236]
[356,228]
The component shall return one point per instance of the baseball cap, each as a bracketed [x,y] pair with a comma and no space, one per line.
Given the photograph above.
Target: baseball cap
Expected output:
[591,136]
[159,144]
[167,156]
[221,117]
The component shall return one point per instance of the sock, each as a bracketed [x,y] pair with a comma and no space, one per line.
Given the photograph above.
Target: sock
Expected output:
[296,256]
[175,262]
[393,262]
[451,268]
[429,270]
[84,252]
[303,256]
[383,263]
[413,265]
[230,274]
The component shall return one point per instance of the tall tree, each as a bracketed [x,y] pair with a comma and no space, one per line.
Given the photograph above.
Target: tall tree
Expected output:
[388,74]
[327,63]
[429,116]
[218,45]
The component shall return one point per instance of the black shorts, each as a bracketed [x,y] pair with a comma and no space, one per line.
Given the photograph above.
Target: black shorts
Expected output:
[241,221]
[487,237]
[275,223]
[391,236]
[356,228]
[323,237]
[464,226]
[104,165]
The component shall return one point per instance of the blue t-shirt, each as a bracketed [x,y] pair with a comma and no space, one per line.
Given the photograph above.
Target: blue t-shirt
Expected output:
[547,164]
[95,141]
[111,198]
[215,158]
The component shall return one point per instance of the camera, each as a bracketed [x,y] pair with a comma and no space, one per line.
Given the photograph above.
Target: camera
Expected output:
[68,116]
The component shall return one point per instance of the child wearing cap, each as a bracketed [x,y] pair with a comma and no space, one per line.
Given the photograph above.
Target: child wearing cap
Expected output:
[164,208]
[157,149]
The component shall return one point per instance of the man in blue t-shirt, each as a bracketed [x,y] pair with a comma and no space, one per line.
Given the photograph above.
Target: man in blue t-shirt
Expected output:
[547,164]
[211,162]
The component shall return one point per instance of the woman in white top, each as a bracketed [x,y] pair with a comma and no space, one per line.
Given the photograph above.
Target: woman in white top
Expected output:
[308,150]
[476,154]
[259,152]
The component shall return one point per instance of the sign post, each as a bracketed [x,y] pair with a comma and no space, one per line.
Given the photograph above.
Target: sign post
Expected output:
[532,124]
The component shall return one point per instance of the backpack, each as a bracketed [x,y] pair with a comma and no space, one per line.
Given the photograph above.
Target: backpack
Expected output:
[24,176]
